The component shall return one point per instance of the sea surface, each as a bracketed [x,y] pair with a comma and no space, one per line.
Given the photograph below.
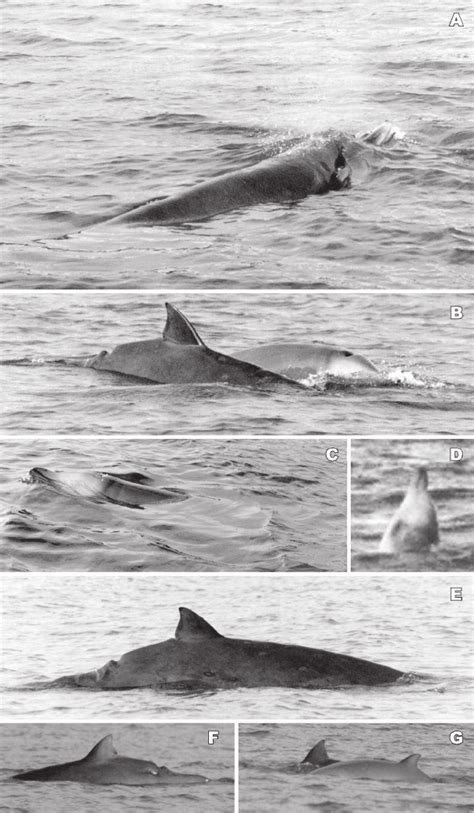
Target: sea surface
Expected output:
[109,104]
[271,778]
[275,504]
[61,624]
[182,748]
[381,472]
[425,361]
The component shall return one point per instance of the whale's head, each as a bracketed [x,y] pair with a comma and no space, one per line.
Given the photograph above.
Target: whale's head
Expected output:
[344,362]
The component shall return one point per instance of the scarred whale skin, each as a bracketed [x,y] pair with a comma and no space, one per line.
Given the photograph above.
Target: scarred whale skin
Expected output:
[404,771]
[311,168]
[201,658]
[414,526]
[131,489]
[104,766]
[181,357]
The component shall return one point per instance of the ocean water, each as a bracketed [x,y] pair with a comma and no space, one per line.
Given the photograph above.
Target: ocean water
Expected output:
[275,504]
[182,748]
[425,385]
[59,624]
[381,472]
[110,104]
[270,757]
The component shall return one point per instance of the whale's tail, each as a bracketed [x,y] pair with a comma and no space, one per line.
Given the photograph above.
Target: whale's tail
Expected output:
[382,135]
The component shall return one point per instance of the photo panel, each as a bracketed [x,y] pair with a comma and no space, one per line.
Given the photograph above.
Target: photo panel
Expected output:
[252,364]
[51,767]
[174,504]
[362,767]
[240,647]
[411,504]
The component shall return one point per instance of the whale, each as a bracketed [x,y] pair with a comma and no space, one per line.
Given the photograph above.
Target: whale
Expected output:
[298,361]
[130,489]
[414,526]
[313,167]
[199,658]
[181,356]
[104,766]
[383,769]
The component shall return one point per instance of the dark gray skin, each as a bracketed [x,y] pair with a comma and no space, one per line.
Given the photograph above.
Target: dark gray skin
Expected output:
[309,169]
[181,358]
[103,766]
[200,658]
[130,489]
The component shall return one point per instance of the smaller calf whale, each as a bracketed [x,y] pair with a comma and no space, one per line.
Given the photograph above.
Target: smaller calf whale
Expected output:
[298,361]
[414,526]
[317,757]
[130,489]
[104,766]
[200,658]
[404,771]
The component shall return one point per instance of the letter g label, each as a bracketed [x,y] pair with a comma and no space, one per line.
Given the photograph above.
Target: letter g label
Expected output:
[456,737]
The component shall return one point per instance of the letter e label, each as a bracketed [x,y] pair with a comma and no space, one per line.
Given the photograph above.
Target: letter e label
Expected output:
[455,593]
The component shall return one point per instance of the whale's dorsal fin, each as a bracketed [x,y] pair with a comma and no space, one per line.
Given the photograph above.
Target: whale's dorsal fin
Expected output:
[191,627]
[103,751]
[411,761]
[318,755]
[179,329]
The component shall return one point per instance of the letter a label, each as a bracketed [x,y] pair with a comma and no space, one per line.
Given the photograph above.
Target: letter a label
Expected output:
[456,20]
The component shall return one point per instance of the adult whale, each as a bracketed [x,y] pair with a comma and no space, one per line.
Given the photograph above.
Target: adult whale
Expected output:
[200,658]
[414,526]
[311,168]
[104,766]
[182,357]
[404,771]
[131,489]
[317,757]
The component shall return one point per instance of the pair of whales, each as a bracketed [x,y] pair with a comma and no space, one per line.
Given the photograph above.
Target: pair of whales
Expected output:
[104,766]
[414,526]
[199,658]
[310,168]
[181,357]
[318,762]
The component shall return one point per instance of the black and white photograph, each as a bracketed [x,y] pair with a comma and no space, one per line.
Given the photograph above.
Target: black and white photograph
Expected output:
[48,767]
[386,767]
[239,647]
[249,364]
[237,145]
[412,504]
[236,423]
[174,505]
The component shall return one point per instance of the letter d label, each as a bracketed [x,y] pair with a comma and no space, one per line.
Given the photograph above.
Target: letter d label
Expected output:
[455,454]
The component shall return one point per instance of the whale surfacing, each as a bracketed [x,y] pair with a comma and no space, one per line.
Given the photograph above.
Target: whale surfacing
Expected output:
[181,357]
[130,489]
[104,766]
[200,658]
[311,168]
[414,526]
[404,771]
